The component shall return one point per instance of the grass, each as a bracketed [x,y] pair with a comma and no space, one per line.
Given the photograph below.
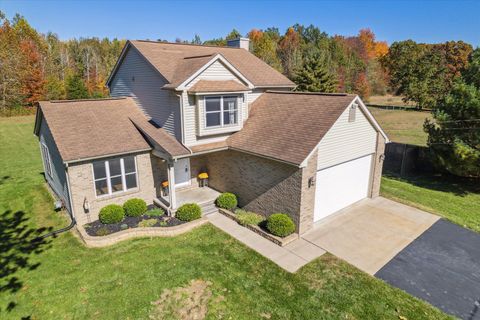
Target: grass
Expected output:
[402,126]
[61,278]
[389,100]
[455,199]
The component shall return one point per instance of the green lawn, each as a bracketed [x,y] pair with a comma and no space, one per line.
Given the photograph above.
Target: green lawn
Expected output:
[62,279]
[402,126]
[455,199]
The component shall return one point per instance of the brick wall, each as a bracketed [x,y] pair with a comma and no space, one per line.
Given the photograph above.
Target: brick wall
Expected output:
[81,182]
[308,194]
[261,185]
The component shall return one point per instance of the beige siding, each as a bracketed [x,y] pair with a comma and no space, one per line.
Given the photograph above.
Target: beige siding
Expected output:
[136,78]
[347,140]
[216,71]
[82,187]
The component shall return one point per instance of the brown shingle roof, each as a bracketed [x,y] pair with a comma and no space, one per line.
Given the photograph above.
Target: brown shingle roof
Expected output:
[93,128]
[287,126]
[176,62]
[220,145]
[216,86]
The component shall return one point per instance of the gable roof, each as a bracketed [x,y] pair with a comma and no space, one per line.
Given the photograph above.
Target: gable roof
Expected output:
[287,126]
[178,61]
[86,129]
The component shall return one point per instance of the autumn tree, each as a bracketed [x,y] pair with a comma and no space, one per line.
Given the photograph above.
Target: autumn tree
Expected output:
[32,81]
[290,53]
[314,77]
[264,47]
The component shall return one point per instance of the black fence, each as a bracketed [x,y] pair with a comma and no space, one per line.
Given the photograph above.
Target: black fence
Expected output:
[405,159]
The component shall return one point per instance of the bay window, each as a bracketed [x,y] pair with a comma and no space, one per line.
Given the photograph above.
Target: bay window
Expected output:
[114,175]
[221,111]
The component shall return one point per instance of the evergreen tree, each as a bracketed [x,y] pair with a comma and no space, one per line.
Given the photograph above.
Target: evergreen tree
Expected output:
[314,77]
[75,88]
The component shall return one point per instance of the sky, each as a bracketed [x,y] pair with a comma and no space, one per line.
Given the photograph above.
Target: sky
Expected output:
[429,21]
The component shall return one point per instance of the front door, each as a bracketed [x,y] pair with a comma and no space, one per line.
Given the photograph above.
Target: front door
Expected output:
[182,172]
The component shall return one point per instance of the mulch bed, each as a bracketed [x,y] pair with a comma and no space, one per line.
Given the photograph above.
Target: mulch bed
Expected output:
[97,228]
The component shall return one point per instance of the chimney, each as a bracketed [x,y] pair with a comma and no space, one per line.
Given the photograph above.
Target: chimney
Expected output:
[243,43]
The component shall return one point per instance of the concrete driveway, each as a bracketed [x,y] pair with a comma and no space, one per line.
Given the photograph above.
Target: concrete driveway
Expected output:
[371,232]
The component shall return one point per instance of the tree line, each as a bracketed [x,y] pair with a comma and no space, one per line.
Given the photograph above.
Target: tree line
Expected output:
[443,77]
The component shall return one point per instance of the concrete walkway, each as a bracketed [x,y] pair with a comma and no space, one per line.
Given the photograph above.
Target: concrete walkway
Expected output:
[291,257]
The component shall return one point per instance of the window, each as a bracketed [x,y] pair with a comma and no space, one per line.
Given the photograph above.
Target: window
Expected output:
[352,112]
[221,111]
[115,175]
[46,160]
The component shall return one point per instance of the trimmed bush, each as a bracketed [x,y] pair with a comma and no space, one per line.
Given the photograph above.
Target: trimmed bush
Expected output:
[147,223]
[227,201]
[156,212]
[188,212]
[113,213]
[280,224]
[247,217]
[135,207]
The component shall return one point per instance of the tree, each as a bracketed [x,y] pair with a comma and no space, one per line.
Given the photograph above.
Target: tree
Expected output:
[196,39]
[54,89]
[289,52]
[264,47]
[454,137]
[362,87]
[472,73]
[32,80]
[314,77]
[75,88]
[233,35]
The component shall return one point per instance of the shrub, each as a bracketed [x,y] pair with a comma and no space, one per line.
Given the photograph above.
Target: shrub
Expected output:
[103,231]
[147,223]
[189,212]
[280,224]
[163,223]
[113,213]
[247,217]
[135,207]
[156,212]
[227,201]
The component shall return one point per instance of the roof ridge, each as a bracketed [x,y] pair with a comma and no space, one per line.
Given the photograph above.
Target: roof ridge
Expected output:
[187,44]
[339,94]
[87,100]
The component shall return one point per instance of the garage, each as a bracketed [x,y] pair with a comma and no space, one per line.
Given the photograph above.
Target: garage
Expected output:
[341,185]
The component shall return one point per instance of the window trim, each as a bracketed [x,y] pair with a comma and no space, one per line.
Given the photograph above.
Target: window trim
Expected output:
[221,111]
[47,161]
[108,177]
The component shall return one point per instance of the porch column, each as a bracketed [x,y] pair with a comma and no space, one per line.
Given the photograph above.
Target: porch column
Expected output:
[171,186]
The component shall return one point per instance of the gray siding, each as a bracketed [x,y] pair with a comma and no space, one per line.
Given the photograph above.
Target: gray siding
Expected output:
[135,77]
[58,179]
[347,140]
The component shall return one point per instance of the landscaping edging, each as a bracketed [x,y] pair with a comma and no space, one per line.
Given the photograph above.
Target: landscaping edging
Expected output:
[277,240]
[110,239]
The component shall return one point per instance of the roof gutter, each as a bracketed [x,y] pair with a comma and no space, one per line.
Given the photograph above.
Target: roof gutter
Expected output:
[104,156]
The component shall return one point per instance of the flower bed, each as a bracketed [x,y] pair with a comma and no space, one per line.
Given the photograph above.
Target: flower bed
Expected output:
[260,229]
[97,228]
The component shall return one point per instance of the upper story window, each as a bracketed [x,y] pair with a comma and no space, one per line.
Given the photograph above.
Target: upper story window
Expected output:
[114,175]
[46,160]
[221,111]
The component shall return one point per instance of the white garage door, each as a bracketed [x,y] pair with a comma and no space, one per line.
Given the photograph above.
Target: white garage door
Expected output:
[339,186]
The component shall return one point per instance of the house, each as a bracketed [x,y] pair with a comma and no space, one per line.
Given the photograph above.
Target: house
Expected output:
[178,110]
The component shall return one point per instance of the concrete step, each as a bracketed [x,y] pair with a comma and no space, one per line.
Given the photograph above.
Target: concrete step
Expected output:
[208,208]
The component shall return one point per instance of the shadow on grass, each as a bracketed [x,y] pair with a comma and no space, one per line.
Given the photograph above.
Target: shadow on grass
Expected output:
[3,179]
[19,242]
[441,182]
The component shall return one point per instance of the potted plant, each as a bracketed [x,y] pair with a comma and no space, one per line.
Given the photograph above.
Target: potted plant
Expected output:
[165,188]
[203,177]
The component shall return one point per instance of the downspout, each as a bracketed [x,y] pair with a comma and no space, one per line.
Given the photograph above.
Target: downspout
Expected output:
[73,222]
